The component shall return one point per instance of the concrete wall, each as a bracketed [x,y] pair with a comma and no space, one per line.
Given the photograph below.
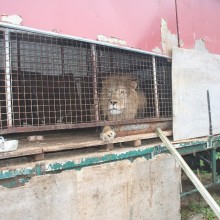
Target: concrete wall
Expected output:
[142,189]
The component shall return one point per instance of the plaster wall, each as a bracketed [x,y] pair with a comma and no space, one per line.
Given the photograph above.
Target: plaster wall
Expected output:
[139,189]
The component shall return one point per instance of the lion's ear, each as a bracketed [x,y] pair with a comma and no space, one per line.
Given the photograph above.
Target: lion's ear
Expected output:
[132,84]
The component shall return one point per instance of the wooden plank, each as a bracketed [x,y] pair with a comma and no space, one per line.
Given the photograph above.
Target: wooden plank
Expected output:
[62,141]
[205,194]
[95,142]
[193,73]
[20,152]
[38,157]
[142,128]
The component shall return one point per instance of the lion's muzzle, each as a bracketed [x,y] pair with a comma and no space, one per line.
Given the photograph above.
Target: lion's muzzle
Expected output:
[114,107]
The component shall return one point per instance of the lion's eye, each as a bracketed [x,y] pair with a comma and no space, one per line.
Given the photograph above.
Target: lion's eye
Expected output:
[122,91]
[109,91]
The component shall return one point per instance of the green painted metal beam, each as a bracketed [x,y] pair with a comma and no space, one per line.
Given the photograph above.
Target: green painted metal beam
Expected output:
[147,153]
[41,168]
[6,174]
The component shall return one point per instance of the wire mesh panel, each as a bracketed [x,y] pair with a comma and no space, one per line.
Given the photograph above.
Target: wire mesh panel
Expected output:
[136,87]
[50,82]
[3,115]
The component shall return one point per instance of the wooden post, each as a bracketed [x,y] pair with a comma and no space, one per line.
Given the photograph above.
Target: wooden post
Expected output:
[205,194]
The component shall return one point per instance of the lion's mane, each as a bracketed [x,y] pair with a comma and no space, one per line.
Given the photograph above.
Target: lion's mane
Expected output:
[120,99]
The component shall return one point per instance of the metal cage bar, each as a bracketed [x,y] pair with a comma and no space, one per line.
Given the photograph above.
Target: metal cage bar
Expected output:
[155,88]
[8,87]
[95,83]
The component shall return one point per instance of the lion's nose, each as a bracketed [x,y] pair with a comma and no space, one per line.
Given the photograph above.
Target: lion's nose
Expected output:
[113,102]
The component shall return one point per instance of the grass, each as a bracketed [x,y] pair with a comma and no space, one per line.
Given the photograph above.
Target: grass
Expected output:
[196,208]
[194,204]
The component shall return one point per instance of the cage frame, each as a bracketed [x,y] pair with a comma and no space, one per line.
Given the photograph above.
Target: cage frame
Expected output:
[10,129]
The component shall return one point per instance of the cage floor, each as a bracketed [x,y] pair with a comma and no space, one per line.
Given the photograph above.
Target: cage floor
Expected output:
[66,141]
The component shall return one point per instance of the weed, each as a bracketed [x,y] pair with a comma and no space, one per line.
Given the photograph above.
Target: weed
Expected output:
[199,207]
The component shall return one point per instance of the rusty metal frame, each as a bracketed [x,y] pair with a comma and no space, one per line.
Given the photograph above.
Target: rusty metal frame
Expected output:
[82,125]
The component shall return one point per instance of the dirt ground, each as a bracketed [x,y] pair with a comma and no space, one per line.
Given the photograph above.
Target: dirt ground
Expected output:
[194,207]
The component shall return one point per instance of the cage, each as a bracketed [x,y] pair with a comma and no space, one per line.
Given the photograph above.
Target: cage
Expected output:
[51,81]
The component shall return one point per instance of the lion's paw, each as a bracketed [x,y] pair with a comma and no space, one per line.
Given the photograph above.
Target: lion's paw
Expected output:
[107,134]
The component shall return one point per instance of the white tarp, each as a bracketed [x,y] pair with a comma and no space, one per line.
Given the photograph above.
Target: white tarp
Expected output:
[193,73]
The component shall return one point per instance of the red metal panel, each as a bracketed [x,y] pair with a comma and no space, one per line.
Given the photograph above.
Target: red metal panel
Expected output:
[136,22]
[199,20]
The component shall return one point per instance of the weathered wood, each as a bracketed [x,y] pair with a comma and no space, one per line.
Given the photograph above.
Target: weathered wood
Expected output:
[208,198]
[110,147]
[95,142]
[38,157]
[70,141]
[20,152]
[142,128]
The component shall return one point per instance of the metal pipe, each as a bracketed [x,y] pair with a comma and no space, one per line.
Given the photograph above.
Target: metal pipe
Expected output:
[210,144]
[205,194]
[210,114]
[95,83]
[213,160]
[205,160]
[155,88]
[196,190]
[8,87]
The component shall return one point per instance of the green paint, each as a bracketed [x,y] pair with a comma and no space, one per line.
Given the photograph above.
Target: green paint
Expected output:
[10,184]
[60,166]
[5,174]
[41,168]
[213,157]
[38,170]
[192,149]
[14,183]
[216,143]
[97,160]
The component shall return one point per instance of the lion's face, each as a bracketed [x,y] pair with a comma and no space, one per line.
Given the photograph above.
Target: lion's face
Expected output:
[119,98]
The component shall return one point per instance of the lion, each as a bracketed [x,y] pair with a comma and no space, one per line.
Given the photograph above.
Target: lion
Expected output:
[120,100]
